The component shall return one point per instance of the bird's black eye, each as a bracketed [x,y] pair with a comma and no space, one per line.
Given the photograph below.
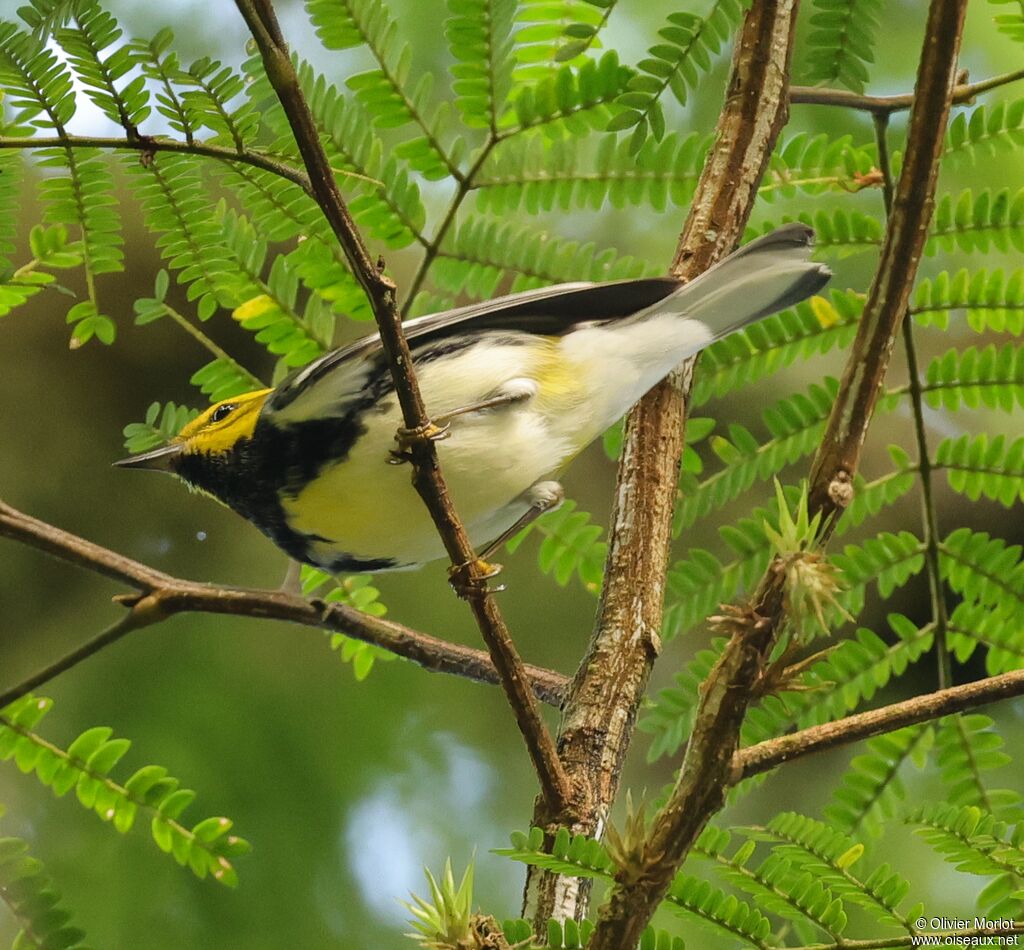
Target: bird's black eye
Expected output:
[222,412]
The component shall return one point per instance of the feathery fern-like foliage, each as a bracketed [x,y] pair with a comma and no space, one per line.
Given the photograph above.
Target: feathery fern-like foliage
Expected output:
[688,43]
[520,125]
[207,848]
[993,300]
[480,39]
[841,42]
[355,591]
[1012,24]
[690,897]
[988,221]
[571,99]
[29,894]
[872,788]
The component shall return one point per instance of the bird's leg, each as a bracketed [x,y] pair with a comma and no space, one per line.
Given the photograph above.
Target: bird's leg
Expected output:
[292,583]
[542,497]
[507,397]
[515,390]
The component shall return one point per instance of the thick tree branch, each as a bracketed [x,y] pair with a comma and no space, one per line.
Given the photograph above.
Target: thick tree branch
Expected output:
[600,712]
[162,595]
[774,752]
[726,693]
[427,478]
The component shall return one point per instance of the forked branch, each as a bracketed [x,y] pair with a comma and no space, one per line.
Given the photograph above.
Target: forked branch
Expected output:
[831,735]
[600,712]
[160,596]
[730,687]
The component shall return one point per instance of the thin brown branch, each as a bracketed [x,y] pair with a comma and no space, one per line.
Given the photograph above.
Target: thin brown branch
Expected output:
[150,144]
[600,712]
[839,451]
[730,687]
[262,22]
[886,105]
[766,755]
[164,595]
[915,388]
[124,625]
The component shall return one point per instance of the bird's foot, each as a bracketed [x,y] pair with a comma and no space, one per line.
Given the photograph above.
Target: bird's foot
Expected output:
[408,439]
[470,578]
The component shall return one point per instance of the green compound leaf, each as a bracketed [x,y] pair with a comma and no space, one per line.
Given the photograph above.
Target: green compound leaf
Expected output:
[162,424]
[990,377]
[984,466]
[207,848]
[872,787]
[534,174]
[356,591]
[33,901]
[1010,24]
[990,221]
[989,129]
[840,45]
[480,38]
[688,46]
[993,300]
[689,897]
[572,99]
[830,855]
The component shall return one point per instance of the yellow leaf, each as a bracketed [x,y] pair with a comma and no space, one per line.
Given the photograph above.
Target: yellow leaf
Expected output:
[824,312]
[850,856]
[253,308]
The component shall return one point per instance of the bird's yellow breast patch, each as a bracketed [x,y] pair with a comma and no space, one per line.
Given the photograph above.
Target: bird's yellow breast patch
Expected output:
[220,427]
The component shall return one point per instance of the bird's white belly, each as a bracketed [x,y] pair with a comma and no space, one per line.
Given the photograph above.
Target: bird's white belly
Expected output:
[367,507]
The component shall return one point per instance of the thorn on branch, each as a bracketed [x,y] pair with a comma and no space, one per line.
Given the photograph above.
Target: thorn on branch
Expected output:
[627,848]
[736,620]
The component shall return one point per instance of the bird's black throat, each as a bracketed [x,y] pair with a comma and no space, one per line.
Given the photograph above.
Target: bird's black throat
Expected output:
[277,462]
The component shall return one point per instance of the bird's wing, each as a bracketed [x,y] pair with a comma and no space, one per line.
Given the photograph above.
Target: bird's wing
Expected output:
[549,311]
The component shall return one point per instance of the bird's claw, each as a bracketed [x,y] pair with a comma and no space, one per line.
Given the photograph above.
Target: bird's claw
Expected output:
[470,578]
[419,435]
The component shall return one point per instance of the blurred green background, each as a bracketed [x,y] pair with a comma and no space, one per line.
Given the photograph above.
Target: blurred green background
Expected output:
[347,789]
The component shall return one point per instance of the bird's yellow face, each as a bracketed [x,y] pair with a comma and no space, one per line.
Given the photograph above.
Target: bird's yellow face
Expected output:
[208,439]
[219,428]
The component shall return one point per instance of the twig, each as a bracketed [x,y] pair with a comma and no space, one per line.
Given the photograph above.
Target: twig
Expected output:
[600,711]
[168,595]
[467,183]
[729,688]
[148,144]
[125,624]
[427,478]
[929,516]
[766,755]
[886,105]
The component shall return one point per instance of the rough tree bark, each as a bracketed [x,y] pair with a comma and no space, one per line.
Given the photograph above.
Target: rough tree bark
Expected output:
[600,711]
[707,770]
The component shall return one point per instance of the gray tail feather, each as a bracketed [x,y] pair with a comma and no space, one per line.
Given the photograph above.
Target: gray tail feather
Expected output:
[765,276]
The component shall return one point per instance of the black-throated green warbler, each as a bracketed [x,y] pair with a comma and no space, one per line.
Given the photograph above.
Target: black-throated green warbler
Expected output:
[524,381]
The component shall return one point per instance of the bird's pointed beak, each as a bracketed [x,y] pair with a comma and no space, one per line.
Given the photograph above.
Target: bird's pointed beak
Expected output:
[159,460]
